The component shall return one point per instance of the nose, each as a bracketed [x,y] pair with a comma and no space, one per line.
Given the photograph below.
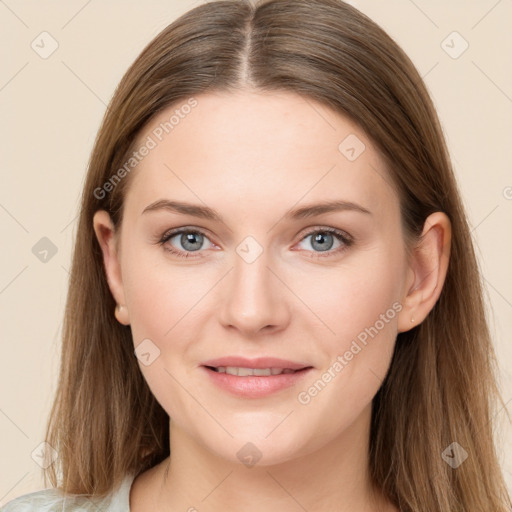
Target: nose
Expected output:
[254,298]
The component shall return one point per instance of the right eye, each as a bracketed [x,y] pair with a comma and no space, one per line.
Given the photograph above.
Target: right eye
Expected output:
[187,240]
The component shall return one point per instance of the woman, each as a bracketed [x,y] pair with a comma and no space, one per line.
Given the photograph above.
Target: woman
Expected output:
[274,298]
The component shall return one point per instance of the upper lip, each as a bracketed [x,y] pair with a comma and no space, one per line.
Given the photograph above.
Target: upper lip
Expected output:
[259,362]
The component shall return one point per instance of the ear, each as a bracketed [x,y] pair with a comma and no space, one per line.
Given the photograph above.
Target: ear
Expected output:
[108,240]
[428,265]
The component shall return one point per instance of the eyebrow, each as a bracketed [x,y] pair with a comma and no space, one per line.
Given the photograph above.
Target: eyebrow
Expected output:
[304,212]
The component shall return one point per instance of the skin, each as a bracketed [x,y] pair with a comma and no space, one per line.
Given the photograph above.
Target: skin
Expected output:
[253,156]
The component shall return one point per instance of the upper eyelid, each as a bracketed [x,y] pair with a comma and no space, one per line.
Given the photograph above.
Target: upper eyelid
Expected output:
[177,231]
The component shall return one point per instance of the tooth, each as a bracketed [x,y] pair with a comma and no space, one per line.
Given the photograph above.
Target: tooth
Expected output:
[262,371]
[247,372]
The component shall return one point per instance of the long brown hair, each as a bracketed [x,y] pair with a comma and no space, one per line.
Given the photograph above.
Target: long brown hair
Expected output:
[441,385]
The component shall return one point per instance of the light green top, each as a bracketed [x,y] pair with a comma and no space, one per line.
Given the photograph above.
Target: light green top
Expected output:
[52,500]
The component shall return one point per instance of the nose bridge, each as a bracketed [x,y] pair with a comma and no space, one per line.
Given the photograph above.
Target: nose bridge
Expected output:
[254,298]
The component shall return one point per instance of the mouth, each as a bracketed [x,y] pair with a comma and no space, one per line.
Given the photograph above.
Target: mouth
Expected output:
[254,378]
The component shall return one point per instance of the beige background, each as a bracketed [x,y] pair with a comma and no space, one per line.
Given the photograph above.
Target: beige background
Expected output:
[50,112]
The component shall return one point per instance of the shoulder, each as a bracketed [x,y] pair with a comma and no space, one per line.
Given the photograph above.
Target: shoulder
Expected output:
[50,500]
[47,500]
[53,500]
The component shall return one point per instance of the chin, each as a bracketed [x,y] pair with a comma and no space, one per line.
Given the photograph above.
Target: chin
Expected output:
[253,449]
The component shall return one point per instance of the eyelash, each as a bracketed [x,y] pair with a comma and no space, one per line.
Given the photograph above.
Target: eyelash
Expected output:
[343,237]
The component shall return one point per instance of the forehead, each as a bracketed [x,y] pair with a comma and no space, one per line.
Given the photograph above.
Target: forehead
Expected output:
[266,148]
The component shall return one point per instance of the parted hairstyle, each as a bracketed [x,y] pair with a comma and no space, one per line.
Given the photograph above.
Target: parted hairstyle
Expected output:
[441,386]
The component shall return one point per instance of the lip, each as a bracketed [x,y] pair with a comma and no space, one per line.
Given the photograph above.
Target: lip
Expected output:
[255,386]
[259,362]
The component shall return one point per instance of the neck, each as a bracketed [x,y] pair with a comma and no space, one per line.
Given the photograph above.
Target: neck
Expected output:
[334,477]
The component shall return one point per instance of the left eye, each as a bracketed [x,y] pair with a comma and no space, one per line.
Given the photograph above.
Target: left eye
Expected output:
[324,240]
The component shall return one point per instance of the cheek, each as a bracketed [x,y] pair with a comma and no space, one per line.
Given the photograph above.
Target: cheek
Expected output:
[360,352]
[160,295]
[161,298]
[348,299]
[358,305]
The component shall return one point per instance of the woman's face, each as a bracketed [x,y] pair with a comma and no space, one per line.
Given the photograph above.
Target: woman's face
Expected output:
[257,270]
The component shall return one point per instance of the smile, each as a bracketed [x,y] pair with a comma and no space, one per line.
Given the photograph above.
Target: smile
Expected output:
[254,382]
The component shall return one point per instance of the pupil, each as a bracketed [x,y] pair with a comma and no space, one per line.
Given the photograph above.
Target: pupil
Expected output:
[190,238]
[320,238]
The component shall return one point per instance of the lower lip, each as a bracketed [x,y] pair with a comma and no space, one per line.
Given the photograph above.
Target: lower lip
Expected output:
[255,386]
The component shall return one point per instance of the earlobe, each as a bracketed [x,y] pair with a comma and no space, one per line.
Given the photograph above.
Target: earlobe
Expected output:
[107,239]
[121,314]
[427,270]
